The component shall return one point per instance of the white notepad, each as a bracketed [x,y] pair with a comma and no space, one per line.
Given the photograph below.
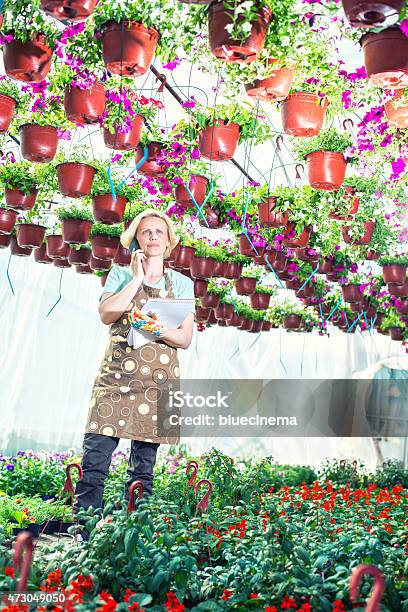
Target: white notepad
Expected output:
[171,313]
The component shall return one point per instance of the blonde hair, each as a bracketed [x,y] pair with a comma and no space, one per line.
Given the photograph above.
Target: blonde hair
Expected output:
[130,233]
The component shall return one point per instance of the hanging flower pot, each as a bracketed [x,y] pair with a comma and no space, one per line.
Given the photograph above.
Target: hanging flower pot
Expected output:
[30,234]
[185,257]
[356,307]
[397,113]
[364,14]
[279,262]
[218,142]
[76,231]
[305,254]
[61,262]
[7,220]
[366,237]
[84,269]
[202,314]
[106,210]
[200,287]
[202,267]
[38,142]
[211,300]
[266,325]
[235,320]
[246,324]
[18,250]
[71,10]
[275,87]
[303,114]
[150,167]
[128,47]
[122,257]
[174,252]
[5,240]
[394,273]
[27,61]
[7,107]
[293,283]
[354,205]
[104,246]
[245,247]
[218,271]
[125,141]
[79,257]
[398,290]
[270,217]
[300,240]
[326,170]
[212,216]
[224,311]
[372,256]
[56,247]
[233,270]
[246,285]
[402,307]
[40,254]
[292,321]
[351,293]
[100,264]
[84,106]
[75,179]
[396,333]
[228,49]
[197,185]
[19,200]
[260,301]
[256,326]
[386,58]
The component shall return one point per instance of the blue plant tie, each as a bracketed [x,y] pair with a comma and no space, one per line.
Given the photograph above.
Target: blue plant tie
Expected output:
[334,309]
[236,311]
[108,170]
[308,279]
[8,265]
[59,298]
[366,320]
[321,314]
[373,320]
[198,207]
[280,282]
[356,320]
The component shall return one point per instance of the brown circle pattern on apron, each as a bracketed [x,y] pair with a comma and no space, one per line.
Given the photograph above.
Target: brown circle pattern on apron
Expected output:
[127,386]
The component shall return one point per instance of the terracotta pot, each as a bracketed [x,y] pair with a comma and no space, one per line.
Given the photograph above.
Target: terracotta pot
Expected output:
[122,257]
[106,210]
[81,269]
[219,268]
[16,249]
[279,262]
[185,257]
[300,240]
[56,247]
[38,143]
[292,321]
[79,257]
[351,293]
[394,273]
[293,284]
[200,287]
[197,186]
[202,267]
[128,47]
[7,107]
[61,262]
[256,326]
[40,254]
[396,333]
[275,87]
[326,170]
[224,311]
[372,256]
[245,285]
[84,106]
[174,253]
[30,234]
[403,307]
[150,167]
[364,14]
[75,179]
[245,247]
[76,231]
[234,321]
[233,51]
[268,216]
[369,227]
[28,61]
[202,314]
[260,301]
[302,254]
[213,218]
[246,324]
[303,114]
[124,141]
[218,142]
[398,115]
[356,306]
[386,58]
[104,246]
[100,264]
[5,240]
[266,325]
[398,290]
[71,10]
[211,300]
[7,220]
[19,200]
[233,270]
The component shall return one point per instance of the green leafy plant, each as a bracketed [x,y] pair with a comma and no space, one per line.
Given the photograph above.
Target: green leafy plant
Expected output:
[113,231]
[124,103]
[74,211]
[328,140]
[244,115]
[25,20]
[251,271]
[266,289]
[18,175]
[388,260]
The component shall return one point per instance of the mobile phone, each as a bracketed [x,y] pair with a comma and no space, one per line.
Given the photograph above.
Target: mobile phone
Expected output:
[134,245]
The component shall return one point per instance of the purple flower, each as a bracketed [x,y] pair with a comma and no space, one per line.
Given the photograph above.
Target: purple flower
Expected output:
[404,26]
[398,166]
[63,134]
[173,64]
[9,467]
[190,103]
[116,158]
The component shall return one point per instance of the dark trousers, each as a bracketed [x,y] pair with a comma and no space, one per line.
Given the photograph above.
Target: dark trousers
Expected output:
[96,460]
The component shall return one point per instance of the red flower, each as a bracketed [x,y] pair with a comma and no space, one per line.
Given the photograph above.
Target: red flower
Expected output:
[271,609]
[288,603]
[253,596]
[338,606]
[9,571]
[172,604]
[227,594]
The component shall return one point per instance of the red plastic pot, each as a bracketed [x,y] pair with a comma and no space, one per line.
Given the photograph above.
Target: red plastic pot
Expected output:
[234,321]
[56,247]
[245,285]
[303,114]
[7,220]
[19,200]
[122,257]
[351,293]
[71,10]
[5,240]
[198,188]
[246,324]
[397,114]
[275,87]
[150,167]
[125,141]
[30,234]
[268,216]
[302,254]
[104,246]
[211,300]
[106,210]
[100,264]
[260,301]
[18,250]
[364,14]
[218,142]
[27,61]
[38,143]
[394,273]
[233,270]
[398,290]
[7,107]
[278,262]
[326,170]
[292,321]
[202,267]
[228,49]
[366,237]
[202,314]
[266,325]
[386,58]
[76,231]
[84,106]
[40,254]
[256,326]
[61,262]
[75,179]
[300,240]
[81,269]
[174,253]
[79,257]
[396,333]
[293,284]
[200,287]
[128,47]
[213,218]
[219,269]
[403,307]
[245,247]
[185,257]
[224,311]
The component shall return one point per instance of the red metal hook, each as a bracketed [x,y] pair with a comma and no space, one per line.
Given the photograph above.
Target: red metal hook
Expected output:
[137,484]
[343,464]
[192,465]
[373,604]
[297,171]
[347,121]
[203,503]
[68,486]
[163,80]
[278,140]
[24,542]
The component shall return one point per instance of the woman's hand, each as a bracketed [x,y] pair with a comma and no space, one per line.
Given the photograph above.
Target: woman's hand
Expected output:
[136,264]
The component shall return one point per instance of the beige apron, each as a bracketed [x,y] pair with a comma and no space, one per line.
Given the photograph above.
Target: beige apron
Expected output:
[127,386]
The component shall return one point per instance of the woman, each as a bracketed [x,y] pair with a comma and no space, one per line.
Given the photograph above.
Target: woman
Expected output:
[124,397]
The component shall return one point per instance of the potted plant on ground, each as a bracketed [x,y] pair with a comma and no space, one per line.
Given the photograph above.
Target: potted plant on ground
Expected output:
[76,222]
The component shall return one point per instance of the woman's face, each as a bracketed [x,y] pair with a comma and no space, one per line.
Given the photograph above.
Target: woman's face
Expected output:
[153,236]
